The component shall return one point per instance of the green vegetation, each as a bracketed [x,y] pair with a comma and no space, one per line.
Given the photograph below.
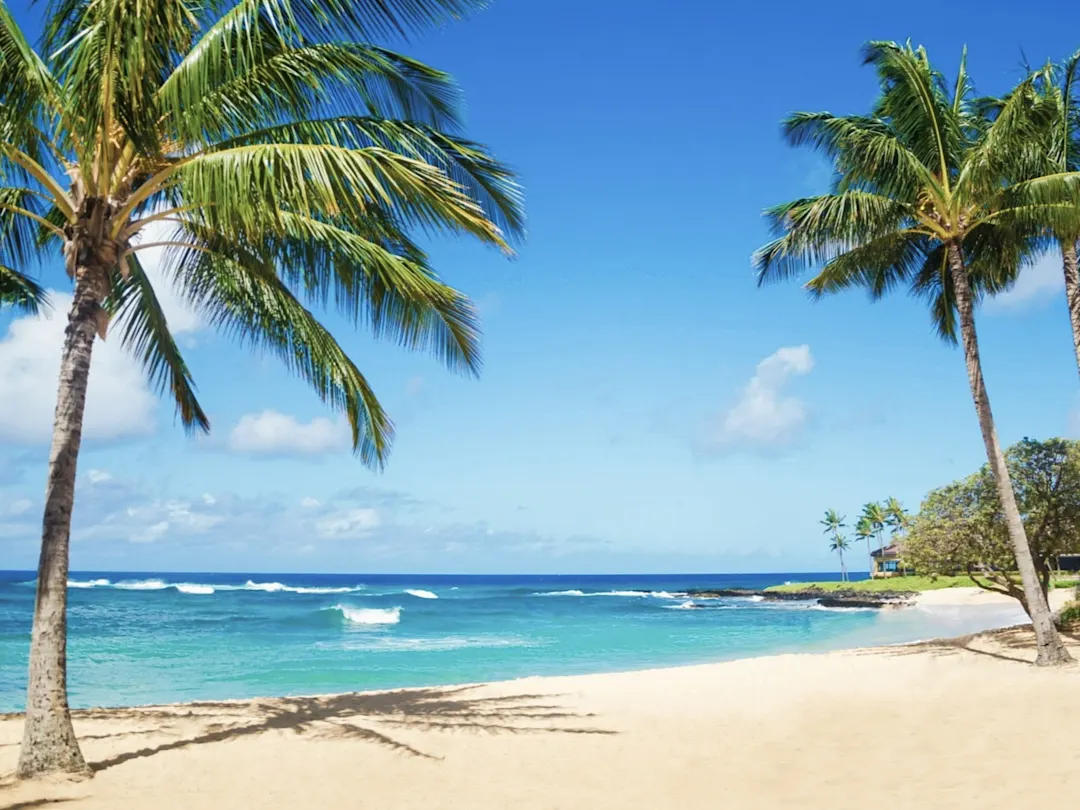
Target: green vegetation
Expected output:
[961,526]
[833,523]
[284,161]
[912,583]
[949,196]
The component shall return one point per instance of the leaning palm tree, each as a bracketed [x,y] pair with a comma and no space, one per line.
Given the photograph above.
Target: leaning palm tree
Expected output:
[923,199]
[833,523]
[864,530]
[840,544]
[286,158]
[874,515]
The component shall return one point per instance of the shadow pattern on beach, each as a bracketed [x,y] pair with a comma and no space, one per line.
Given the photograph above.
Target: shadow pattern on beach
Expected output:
[1015,645]
[353,717]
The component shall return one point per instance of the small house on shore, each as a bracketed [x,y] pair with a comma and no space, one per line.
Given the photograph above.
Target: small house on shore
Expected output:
[887,561]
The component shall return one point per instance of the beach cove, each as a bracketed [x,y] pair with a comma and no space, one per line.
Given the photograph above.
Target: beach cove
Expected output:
[944,722]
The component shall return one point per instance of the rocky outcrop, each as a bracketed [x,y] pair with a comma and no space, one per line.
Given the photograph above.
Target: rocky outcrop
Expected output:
[833,599]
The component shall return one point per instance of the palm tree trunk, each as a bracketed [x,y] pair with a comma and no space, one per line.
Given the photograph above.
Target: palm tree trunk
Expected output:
[881,550]
[1050,649]
[869,558]
[49,744]
[1072,291]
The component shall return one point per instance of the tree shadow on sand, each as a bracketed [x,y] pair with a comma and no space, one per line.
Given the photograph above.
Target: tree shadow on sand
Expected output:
[1012,644]
[351,716]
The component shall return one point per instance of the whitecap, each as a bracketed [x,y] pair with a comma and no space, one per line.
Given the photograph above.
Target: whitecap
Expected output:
[278,587]
[194,588]
[357,615]
[420,593]
[142,585]
[687,605]
[561,593]
[91,583]
[389,643]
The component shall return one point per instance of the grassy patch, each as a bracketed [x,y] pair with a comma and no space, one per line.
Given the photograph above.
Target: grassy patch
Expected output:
[874,585]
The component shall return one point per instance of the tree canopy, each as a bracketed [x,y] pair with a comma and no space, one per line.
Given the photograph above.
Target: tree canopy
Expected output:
[961,528]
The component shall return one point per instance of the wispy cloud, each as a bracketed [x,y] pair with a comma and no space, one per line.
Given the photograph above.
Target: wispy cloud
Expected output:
[763,416]
[274,433]
[1036,285]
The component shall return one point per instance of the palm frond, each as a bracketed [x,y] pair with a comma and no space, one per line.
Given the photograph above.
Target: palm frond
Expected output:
[144,330]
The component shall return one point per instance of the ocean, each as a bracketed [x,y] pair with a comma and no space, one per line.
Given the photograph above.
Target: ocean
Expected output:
[155,638]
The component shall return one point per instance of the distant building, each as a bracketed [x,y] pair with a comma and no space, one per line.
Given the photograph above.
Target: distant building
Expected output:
[1069,562]
[887,561]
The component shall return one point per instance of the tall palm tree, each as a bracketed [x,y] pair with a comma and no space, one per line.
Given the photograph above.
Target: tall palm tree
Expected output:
[874,515]
[833,523]
[896,517]
[923,200]
[864,530]
[840,544]
[1059,116]
[287,158]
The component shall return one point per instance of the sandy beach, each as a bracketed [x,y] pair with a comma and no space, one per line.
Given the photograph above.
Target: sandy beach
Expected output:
[960,723]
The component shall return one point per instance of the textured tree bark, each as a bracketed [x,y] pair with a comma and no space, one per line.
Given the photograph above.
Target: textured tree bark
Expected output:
[49,744]
[1072,291]
[1050,649]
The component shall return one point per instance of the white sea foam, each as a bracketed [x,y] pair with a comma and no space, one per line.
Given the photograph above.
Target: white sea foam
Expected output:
[376,644]
[142,585]
[420,593]
[687,605]
[625,594]
[91,583]
[757,598]
[357,615]
[194,588]
[277,587]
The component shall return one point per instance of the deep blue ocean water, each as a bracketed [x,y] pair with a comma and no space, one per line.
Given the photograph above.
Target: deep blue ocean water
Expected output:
[152,638]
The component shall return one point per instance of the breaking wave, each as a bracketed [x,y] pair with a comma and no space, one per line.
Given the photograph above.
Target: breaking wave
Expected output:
[371,616]
[420,593]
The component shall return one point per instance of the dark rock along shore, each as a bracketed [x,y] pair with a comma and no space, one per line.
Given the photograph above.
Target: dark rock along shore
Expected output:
[837,599]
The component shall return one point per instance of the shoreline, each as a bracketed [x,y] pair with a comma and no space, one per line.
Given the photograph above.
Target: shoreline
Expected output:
[581,742]
[958,597]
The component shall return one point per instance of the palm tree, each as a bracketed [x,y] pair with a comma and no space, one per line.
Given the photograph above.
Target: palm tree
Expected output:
[896,517]
[874,515]
[287,158]
[922,200]
[1060,119]
[864,530]
[840,544]
[833,523]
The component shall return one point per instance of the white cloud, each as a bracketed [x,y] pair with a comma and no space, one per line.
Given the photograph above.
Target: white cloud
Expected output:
[118,403]
[1036,284]
[309,502]
[98,476]
[180,317]
[208,499]
[763,417]
[151,533]
[273,432]
[19,506]
[347,523]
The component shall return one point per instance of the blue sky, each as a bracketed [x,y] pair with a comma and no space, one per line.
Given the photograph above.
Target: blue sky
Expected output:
[643,407]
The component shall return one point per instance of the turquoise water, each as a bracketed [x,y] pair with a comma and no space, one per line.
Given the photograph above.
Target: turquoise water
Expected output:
[151,638]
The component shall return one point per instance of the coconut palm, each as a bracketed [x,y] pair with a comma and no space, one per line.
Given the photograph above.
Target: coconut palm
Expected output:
[1059,116]
[896,517]
[864,530]
[833,523]
[281,160]
[840,544]
[923,200]
[874,515]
